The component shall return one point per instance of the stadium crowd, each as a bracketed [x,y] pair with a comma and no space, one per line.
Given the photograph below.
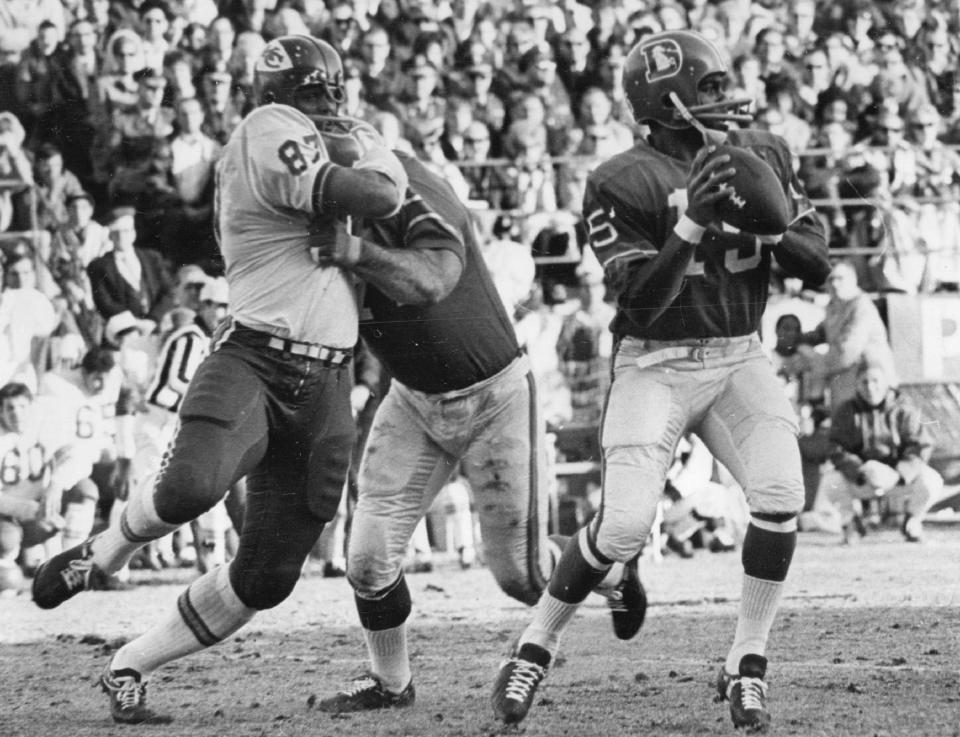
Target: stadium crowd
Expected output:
[113,114]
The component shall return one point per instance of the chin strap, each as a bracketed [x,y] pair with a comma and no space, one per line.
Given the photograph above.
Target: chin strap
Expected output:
[694,116]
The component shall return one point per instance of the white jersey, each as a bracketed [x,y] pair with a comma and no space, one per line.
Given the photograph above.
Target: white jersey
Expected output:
[26,464]
[265,203]
[90,420]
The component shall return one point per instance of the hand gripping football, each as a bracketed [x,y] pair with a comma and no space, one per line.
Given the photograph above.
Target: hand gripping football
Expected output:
[347,139]
[757,203]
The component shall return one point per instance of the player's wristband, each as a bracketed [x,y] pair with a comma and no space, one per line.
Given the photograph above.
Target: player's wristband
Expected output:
[689,230]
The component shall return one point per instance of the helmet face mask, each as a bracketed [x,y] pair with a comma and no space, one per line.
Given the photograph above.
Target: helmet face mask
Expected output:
[302,72]
[672,75]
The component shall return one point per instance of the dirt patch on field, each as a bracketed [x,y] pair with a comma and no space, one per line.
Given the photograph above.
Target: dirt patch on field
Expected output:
[868,643]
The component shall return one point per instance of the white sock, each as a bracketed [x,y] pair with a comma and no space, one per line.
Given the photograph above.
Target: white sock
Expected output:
[136,525]
[759,603]
[550,619]
[388,657]
[208,612]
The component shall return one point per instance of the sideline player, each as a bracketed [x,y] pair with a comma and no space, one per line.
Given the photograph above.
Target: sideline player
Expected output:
[272,400]
[462,392]
[690,294]
[45,487]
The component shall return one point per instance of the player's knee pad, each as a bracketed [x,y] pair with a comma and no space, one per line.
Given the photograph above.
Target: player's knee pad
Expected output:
[386,609]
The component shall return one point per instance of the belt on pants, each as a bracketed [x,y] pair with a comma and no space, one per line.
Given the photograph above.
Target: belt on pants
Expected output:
[334,356]
[312,351]
[701,352]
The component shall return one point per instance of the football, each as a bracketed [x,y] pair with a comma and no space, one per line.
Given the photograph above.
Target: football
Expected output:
[757,203]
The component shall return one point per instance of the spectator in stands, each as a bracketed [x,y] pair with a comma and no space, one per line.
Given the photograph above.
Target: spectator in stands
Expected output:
[896,79]
[27,319]
[74,245]
[816,79]
[851,329]
[531,176]
[15,167]
[130,278]
[355,104]
[881,448]
[342,31]
[457,119]
[487,107]
[380,71]
[747,82]
[178,69]
[509,260]
[220,39]
[782,94]
[935,52]
[576,64]
[246,51]
[78,66]
[487,183]
[540,78]
[193,157]
[611,76]
[771,50]
[55,185]
[419,105]
[220,114]
[36,82]
[937,177]
[135,134]
[155,18]
[116,88]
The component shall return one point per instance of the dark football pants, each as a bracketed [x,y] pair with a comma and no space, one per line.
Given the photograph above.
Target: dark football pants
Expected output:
[284,422]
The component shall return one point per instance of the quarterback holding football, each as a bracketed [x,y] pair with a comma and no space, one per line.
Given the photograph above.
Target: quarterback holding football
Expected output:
[686,225]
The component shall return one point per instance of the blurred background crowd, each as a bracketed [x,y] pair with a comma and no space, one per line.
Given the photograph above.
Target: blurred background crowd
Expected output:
[113,114]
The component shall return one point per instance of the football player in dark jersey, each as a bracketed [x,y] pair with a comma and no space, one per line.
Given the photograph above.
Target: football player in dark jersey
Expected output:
[462,393]
[690,291]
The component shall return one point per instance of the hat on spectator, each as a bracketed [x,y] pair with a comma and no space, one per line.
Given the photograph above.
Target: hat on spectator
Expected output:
[119,213]
[81,195]
[216,290]
[119,325]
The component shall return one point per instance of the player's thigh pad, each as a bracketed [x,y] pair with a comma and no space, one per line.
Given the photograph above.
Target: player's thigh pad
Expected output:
[401,472]
[505,464]
[643,421]
[222,435]
[752,430]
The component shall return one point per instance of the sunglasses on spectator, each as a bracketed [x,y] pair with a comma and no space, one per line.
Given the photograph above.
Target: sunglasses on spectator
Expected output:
[343,22]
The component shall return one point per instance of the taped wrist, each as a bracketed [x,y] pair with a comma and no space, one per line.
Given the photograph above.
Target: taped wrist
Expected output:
[688,230]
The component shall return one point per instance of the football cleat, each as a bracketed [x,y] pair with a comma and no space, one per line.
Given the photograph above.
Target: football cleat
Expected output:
[366,693]
[128,697]
[517,682]
[747,694]
[628,603]
[67,574]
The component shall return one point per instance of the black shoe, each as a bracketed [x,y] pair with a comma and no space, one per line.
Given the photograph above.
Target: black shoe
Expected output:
[366,693]
[517,682]
[66,575]
[628,603]
[128,697]
[747,694]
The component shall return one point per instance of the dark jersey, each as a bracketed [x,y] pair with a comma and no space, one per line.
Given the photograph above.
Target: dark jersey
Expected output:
[631,205]
[463,339]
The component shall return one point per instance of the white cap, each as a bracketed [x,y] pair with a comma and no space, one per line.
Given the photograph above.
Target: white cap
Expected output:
[216,290]
[119,324]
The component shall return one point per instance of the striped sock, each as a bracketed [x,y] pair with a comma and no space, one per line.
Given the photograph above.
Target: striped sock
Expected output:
[137,524]
[208,612]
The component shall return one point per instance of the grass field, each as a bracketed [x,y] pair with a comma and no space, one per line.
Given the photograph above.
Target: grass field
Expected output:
[868,643]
